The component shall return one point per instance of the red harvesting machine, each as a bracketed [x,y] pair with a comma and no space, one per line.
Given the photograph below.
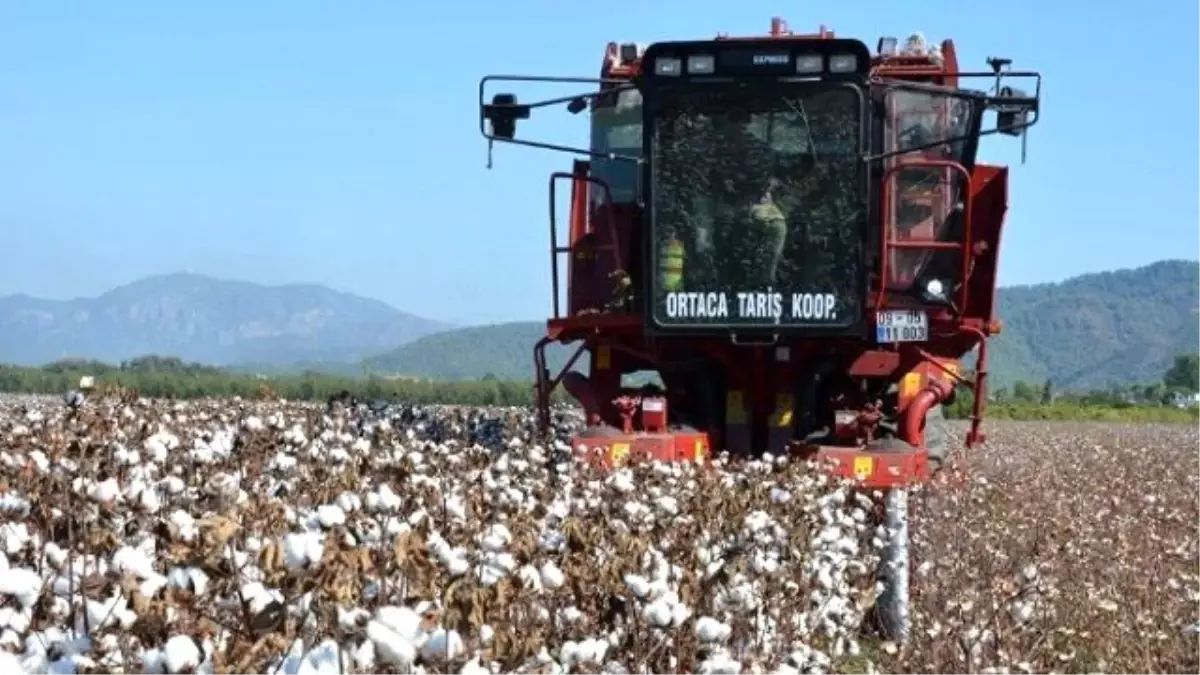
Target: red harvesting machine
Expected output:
[791,231]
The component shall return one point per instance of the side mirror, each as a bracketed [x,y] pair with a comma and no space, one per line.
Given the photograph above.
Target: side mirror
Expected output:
[1012,111]
[577,105]
[502,114]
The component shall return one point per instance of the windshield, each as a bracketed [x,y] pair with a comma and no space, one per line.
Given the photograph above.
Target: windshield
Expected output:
[757,206]
[617,127]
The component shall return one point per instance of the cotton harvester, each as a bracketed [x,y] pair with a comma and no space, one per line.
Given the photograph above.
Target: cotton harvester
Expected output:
[793,232]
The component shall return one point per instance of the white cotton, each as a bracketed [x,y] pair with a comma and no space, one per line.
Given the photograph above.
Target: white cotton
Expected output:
[443,644]
[552,577]
[658,613]
[21,583]
[323,659]
[403,621]
[638,584]
[182,654]
[330,515]
[709,629]
[390,646]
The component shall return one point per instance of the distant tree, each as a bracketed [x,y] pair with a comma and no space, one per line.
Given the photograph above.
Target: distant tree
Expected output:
[1154,394]
[1184,373]
[1048,393]
[964,401]
[1023,391]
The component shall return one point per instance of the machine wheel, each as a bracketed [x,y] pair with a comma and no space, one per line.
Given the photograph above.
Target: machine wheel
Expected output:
[891,607]
[937,437]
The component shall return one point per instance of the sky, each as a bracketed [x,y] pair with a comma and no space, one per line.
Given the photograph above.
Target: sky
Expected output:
[282,141]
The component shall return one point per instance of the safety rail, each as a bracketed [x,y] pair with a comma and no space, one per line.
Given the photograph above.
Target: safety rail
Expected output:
[890,243]
[579,210]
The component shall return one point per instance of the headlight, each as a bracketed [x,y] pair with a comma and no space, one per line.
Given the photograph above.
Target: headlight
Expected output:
[843,63]
[667,66]
[934,290]
[701,64]
[807,64]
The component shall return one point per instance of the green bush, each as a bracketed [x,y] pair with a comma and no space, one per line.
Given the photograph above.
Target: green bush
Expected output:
[171,378]
[1135,403]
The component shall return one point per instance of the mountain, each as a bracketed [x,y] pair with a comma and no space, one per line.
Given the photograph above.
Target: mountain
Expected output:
[1084,332]
[214,321]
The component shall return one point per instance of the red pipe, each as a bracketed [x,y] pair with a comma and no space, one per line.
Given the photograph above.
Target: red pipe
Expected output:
[913,424]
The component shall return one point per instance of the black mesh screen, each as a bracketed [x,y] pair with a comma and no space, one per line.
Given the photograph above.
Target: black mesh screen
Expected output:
[760,193]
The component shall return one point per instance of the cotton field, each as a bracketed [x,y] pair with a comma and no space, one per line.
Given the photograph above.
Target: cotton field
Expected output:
[253,536]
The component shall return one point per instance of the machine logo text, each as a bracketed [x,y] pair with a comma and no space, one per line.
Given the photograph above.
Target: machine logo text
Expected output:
[769,306]
[771,59]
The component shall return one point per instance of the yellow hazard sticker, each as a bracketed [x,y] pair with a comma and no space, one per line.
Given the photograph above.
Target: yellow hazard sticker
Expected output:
[603,357]
[782,418]
[863,465]
[735,408]
[909,386]
[700,450]
[619,453]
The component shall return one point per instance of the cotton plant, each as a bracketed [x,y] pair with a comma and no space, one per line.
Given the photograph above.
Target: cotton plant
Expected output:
[266,536]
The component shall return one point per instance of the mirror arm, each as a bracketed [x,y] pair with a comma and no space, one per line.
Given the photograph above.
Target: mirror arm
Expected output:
[485,108]
[494,112]
[571,149]
[955,139]
[522,110]
[952,139]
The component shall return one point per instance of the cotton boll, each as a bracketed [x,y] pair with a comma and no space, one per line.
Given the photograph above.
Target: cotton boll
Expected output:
[709,629]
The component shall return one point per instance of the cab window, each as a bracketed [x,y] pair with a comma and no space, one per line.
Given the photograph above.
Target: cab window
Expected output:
[617,128]
[926,200]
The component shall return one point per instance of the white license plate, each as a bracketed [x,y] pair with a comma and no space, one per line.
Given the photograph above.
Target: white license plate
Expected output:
[901,325]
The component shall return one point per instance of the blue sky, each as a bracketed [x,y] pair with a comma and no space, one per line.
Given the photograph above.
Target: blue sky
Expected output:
[278,141]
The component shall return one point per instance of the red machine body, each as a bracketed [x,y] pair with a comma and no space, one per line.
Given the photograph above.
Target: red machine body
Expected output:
[858,403]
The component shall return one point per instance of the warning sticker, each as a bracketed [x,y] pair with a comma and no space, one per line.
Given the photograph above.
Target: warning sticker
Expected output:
[619,453]
[863,465]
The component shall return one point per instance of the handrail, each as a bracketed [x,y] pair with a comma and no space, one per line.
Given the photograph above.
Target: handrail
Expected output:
[556,250]
[887,243]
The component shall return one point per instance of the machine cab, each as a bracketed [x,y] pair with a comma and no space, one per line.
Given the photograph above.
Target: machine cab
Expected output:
[791,185]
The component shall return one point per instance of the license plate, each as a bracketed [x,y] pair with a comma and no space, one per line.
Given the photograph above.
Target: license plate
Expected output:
[901,325]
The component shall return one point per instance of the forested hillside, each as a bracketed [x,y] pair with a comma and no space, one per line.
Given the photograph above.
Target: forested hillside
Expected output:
[502,350]
[1099,329]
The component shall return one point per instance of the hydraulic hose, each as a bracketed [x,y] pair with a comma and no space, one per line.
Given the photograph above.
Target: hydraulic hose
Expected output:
[913,424]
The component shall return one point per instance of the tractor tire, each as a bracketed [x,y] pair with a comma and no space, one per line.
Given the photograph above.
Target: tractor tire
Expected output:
[937,437]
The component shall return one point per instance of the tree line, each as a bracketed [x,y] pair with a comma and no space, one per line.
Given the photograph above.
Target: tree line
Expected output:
[172,378]
[1170,399]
